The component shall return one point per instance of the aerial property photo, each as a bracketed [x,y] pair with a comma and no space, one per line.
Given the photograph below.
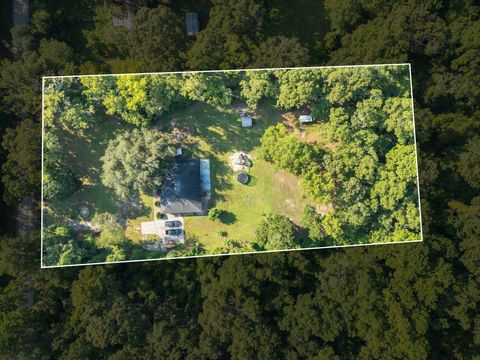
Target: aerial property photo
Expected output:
[172,165]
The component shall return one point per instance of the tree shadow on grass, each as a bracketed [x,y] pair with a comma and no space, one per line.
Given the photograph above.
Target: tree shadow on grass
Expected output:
[131,208]
[228,218]
[223,130]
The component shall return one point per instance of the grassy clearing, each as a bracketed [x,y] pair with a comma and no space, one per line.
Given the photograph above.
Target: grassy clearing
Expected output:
[84,152]
[133,230]
[216,135]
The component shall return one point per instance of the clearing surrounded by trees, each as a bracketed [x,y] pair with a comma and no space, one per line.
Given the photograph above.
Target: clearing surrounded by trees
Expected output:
[140,167]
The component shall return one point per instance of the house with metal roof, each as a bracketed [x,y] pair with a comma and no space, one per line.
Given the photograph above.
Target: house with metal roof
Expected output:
[183,190]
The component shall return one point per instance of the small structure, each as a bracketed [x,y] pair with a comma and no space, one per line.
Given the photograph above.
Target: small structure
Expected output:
[178,152]
[305,119]
[243,178]
[191,19]
[246,121]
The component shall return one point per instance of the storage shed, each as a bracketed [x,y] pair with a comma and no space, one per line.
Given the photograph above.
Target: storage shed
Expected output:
[247,121]
[192,23]
[305,119]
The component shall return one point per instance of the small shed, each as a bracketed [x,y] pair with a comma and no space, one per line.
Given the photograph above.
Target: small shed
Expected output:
[247,121]
[305,119]
[192,23]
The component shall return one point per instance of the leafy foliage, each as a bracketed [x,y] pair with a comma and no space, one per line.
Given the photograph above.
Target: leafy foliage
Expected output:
[285,151]
[416,301]
[59,181]
[136,161]
[21,170]
[214,213]
[276,232]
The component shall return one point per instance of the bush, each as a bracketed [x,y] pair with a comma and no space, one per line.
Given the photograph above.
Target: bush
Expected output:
[223,233]
[157,203]
[159,215]
[214,214]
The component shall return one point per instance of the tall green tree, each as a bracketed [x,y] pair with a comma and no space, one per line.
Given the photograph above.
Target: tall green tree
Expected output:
[22,167]
[276,232]
[156,41]
[136,161]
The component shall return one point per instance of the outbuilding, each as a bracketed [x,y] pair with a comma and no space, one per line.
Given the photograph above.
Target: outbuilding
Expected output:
[305,119]
[192,23]
[247,121]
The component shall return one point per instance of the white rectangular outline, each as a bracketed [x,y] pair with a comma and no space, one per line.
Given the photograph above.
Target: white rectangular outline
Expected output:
[42,266]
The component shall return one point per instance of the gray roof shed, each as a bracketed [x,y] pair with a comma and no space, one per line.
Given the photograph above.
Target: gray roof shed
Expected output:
[192,23]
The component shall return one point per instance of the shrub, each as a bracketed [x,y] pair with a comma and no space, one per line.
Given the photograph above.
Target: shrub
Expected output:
[223,233]
[214,214]
[159,215]
[157,203]
[231,243]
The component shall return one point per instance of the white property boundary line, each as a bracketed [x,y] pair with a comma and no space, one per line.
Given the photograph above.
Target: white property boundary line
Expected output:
[231,254]
[416,152]
[242,253]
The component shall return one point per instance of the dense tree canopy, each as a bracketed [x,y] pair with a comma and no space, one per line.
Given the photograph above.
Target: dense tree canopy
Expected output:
[21,170]
[157,40]
[59,181]
[408,301]
[138,100]
[276,232]
[136,161]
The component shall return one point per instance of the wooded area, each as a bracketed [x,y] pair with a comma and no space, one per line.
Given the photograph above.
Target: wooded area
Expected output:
[413,301]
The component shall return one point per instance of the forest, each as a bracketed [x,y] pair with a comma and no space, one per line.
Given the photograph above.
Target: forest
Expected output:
[365,170]
[403,301]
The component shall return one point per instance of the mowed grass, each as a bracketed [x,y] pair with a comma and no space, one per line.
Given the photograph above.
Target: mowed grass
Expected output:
[84,152]
[216,135]
[133,230]
[244,206]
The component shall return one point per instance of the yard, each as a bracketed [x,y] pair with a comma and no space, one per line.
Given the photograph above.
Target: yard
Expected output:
[84,152]
[216,135]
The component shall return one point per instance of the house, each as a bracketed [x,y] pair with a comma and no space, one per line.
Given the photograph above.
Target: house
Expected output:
[305,119]
[184,189]
[246,121]
[191,19]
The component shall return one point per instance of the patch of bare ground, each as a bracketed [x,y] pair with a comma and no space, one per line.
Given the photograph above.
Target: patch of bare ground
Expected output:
[287,183]
[324,209]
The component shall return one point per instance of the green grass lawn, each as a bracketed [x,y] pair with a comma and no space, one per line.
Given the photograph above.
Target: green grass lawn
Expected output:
[216,135]
[84,152]
[133,230]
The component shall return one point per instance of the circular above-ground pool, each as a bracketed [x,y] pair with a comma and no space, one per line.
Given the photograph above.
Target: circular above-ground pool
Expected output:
[243,178]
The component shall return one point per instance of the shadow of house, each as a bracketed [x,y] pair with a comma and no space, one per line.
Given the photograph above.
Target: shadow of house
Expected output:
[183,192]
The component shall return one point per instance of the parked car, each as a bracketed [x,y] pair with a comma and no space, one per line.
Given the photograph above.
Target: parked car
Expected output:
[173,232]
[173,223]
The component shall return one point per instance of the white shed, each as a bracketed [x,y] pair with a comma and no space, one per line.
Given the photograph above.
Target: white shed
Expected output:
[247,121]
[305,119]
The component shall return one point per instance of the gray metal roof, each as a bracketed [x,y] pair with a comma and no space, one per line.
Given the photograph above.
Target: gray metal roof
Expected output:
[192,23]
[181,192]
